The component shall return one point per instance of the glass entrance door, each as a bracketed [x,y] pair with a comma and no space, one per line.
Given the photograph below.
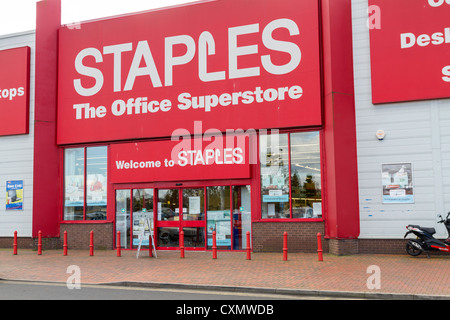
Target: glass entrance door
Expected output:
[123,214]
[181,209]
[142,216]
[229,215]
[193,222]
[198,212]
[134,216]
[219,217]
[168,218]
[242,216]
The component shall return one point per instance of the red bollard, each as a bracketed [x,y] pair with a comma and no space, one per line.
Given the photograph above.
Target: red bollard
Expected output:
[119,252]
[15,243]
[91,245]
[248,246]
[285,249]
[65,244]
[39,242]
[319,246]
[182,244]
[214,246]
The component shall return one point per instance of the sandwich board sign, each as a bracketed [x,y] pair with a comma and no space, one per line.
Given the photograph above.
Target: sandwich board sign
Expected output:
[142,237]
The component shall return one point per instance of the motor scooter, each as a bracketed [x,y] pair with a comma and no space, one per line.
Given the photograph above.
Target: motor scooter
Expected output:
[425,241]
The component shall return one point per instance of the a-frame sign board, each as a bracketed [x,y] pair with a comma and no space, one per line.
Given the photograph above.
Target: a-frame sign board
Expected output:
[142,236]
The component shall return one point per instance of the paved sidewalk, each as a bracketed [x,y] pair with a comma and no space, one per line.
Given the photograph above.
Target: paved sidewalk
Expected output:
[402,276]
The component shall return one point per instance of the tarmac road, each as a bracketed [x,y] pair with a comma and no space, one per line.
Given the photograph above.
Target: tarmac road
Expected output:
[24,290]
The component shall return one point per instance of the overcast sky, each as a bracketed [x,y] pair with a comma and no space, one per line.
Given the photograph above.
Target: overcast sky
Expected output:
[20,15]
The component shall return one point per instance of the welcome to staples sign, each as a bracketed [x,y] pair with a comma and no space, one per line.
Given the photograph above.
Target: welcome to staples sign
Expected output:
[184,159]
[14,91]
[410,50]
[230,64]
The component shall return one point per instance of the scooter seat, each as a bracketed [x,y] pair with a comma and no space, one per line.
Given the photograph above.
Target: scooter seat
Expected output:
[428,230]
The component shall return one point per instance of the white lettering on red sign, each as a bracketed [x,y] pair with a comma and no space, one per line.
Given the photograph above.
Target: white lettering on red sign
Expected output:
[205,46]
[446,73]
[408,40]
[11,93]
[230,65]
[141,105]
[210,156]
[191,158]
[437,3]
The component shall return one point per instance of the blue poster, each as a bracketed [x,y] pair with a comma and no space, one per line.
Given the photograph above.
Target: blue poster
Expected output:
[14,195]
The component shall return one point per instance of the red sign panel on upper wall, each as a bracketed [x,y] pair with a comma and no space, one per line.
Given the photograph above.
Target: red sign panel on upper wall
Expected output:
[245,64]
[14,91]
[226,157]
[410,49]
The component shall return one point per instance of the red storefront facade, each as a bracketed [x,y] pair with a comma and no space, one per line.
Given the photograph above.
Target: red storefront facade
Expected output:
[215,116]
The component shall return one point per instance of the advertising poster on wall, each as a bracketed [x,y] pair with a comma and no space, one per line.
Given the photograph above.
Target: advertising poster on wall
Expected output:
[14,195]
[397,183]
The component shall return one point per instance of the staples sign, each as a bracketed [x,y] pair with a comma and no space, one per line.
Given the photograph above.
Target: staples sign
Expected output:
[185,159]
[14,91]
[245,64]
[410,50]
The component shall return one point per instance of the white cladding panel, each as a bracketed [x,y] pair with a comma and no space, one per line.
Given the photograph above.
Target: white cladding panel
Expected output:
[16,154]
[416,132]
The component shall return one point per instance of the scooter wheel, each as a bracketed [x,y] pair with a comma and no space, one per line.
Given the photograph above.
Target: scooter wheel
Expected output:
[412,249]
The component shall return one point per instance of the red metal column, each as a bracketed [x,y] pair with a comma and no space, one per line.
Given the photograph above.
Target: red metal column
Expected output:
[46,183]
[340,158]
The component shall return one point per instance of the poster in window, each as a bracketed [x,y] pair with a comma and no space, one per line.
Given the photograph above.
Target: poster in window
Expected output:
[194,205]
[219,221]
[74,190]
[96,190]
[397,183]
[14,195]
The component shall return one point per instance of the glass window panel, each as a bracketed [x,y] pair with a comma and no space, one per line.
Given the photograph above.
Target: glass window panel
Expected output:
[194,204]
[73,183]
[274,158]
[194,237]
[168,237]
[142,216]
[306,175]
[96,184]
[219,219]
[242,221]
[123,216]
[168,205]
